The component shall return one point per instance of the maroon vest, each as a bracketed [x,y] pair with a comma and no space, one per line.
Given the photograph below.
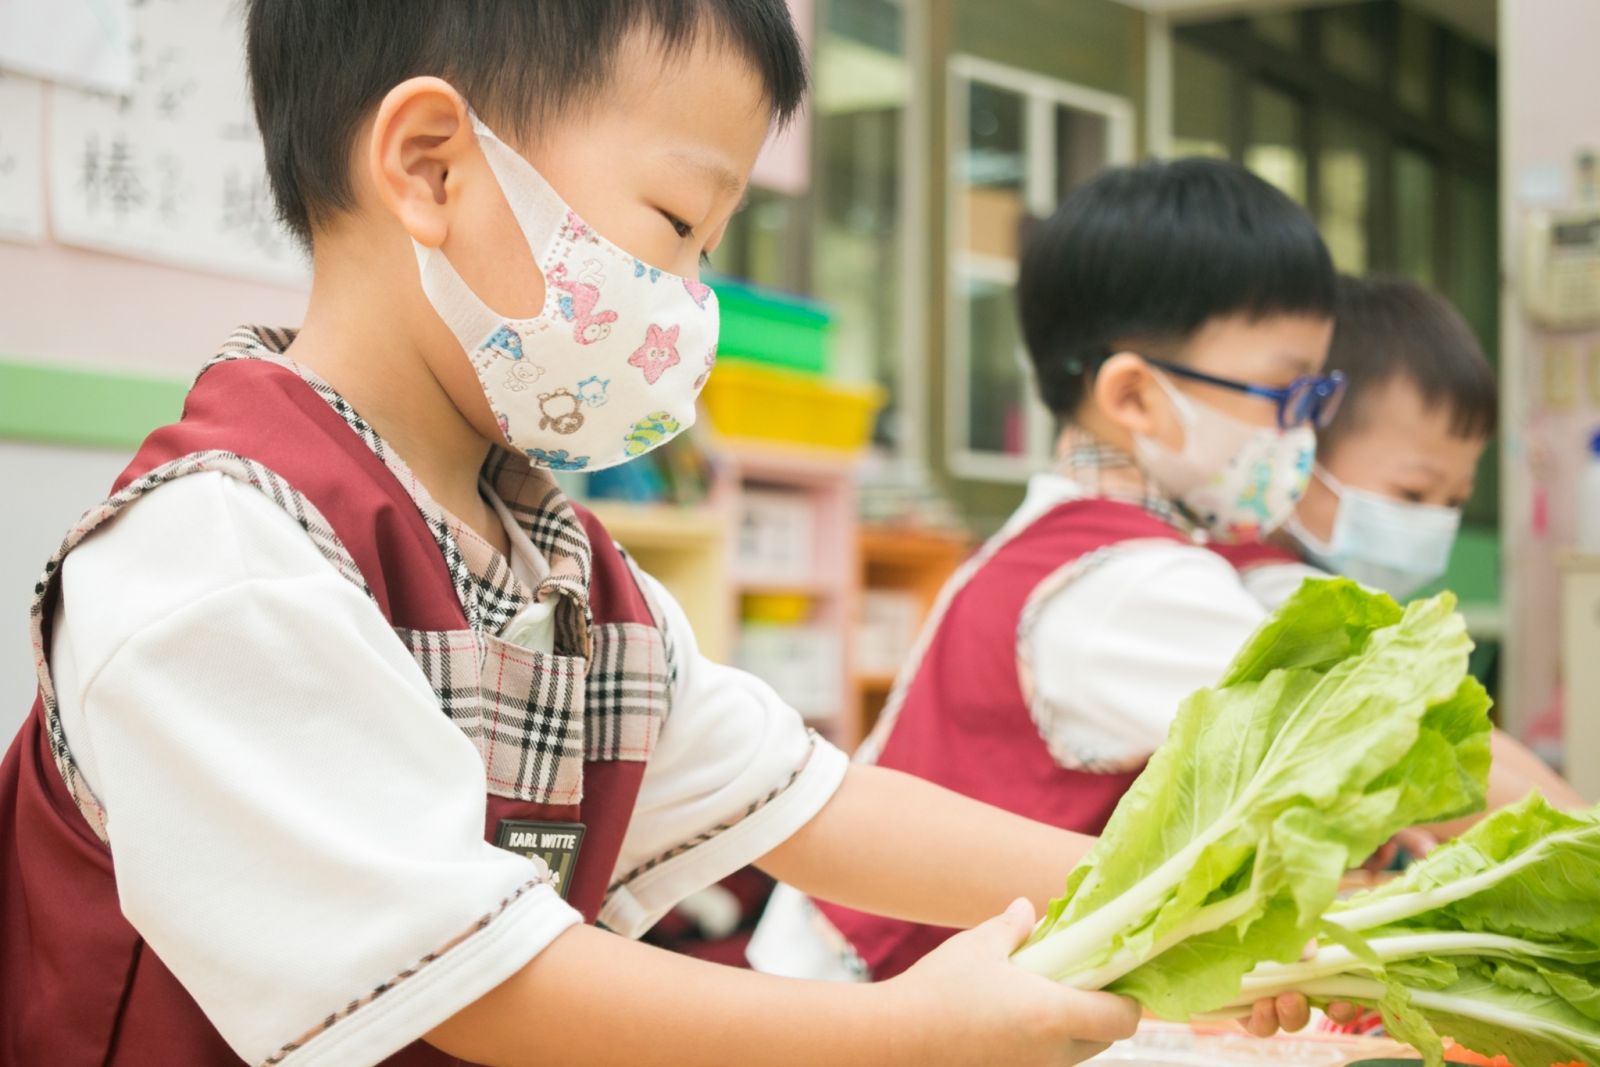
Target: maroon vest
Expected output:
[78,986]
[965,723]
[1252,554]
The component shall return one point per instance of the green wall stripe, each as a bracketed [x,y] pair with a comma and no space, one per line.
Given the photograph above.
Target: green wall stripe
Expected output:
[72,406]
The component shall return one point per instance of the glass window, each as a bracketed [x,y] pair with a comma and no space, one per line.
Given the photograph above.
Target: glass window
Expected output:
[1344,169]
[1022,143]
[1414,74]
[1475,291]
[756,244]
[997,399]
[1276,150]
[1201,124]
[1279,28]
[992,174]
[1349,43]
[1470,91]
[1416,185]
[863,85]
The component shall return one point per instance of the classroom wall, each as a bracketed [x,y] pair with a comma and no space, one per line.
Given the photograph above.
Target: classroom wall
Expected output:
[57,484]
[1549,86]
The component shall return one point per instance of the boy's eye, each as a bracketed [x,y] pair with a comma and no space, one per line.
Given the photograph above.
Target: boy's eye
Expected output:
[1412,496]
[681,228]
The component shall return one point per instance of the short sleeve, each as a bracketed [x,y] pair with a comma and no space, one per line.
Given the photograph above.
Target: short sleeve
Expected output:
[1273,583]
[297,828]
[1113,650]
[734,774]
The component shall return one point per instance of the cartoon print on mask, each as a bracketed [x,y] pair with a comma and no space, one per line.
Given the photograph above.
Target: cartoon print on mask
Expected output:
[592,390]
[556,459]
[705,375]
[658,354]
[523,374]
[576,229]
[579,301]
[640,269]
[700,291]
[559,411]
[505,342]
[650,431]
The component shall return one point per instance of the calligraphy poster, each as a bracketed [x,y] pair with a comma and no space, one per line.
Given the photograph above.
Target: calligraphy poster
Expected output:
[21,158]
[173,171]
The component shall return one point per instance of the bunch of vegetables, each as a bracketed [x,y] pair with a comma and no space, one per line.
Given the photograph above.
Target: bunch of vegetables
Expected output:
[1343,720]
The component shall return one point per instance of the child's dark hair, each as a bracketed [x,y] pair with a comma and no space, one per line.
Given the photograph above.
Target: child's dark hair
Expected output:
[318,67]
[1147,255]
[1387,328]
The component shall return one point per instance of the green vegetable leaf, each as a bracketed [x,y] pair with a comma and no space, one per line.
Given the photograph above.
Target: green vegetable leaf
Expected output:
[1341,721]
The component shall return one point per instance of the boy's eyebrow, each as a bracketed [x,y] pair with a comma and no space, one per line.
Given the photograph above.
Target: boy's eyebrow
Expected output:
[1295,362]
[726,179]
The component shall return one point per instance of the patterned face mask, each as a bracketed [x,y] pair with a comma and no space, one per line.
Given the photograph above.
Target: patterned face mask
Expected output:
[611,366]
[1239,481]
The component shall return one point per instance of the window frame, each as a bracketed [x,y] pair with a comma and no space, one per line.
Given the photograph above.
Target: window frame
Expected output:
[1041,95]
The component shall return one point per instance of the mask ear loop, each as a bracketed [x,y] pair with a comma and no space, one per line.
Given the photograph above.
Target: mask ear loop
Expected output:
[1187,415]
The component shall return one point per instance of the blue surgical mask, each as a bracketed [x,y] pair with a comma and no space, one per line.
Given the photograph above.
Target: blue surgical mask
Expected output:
[1393,545]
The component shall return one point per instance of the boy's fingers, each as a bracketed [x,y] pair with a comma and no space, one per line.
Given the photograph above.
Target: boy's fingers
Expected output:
[1099,1017]
[1342,1011]
[1008,929]
[1293,1011]
[1263,1020]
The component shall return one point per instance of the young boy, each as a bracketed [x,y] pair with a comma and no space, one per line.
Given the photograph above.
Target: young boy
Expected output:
[1394,468]
[1177,315]
[337,634]
[1398,461]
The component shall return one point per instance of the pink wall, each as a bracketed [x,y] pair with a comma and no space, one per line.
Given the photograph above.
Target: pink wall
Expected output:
[61,305]
[1550,109]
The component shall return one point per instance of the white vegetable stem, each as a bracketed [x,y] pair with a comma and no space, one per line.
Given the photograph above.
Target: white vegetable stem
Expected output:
[1371,991]
[1404,905]
[1269,979]
[1062,950]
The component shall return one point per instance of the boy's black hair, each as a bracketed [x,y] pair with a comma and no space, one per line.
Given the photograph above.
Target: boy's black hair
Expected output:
[1387,328]
[318,67]
[1147,255]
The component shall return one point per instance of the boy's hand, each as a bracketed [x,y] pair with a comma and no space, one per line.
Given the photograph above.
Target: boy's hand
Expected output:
[965,1003]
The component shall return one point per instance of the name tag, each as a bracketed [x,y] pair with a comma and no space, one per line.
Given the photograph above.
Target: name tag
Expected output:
[556,844]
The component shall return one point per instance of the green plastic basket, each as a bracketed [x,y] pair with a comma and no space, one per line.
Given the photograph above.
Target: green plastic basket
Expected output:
[773,329]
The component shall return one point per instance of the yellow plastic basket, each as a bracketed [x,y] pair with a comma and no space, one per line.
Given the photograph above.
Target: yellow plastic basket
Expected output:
[772,405]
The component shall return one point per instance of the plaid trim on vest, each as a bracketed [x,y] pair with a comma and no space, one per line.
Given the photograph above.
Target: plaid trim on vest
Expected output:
[534,717]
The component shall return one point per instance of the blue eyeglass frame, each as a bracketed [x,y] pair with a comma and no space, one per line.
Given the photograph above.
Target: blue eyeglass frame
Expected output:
[1311,398]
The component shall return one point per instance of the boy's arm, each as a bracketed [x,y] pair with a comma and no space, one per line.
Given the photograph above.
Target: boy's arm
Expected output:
[595,998]
[922,853]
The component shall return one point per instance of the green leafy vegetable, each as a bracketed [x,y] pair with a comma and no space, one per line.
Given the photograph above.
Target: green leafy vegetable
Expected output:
[1341,721]
[1493,940]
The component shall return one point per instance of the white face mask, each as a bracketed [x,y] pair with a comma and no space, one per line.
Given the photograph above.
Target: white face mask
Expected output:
[1393,545]
[611,366]
[1240,481]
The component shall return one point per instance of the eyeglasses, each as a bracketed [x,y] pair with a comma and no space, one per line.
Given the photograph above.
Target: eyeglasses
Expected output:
[1311,399]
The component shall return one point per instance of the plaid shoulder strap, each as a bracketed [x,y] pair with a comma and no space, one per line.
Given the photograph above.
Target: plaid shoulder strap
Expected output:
[247,471]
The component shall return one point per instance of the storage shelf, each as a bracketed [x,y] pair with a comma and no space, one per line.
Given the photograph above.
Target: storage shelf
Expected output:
[811,590]
[661,525]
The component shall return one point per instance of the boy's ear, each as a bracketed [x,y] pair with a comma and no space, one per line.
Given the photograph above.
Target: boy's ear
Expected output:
[1125,392]
[421,136]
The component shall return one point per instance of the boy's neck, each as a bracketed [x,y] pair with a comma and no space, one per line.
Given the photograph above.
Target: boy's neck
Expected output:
[360,336]
[1092,421]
